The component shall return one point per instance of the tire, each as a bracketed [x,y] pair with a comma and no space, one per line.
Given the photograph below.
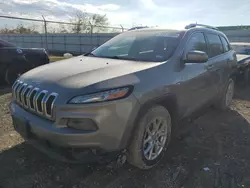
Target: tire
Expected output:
[138,153]
[227,97]
[12,73]
[247,76]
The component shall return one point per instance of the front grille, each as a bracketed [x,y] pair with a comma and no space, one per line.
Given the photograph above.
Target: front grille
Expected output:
[34,99]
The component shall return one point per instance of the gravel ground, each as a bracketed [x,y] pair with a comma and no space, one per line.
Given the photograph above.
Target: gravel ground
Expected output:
[211,151]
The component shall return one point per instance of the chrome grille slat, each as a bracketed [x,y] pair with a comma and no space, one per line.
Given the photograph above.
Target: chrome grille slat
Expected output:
[41,103]
[18,91]
[28,97]
[34,99]
[25,96]
[47,114]
[14,88]
[16,82]
[24,86]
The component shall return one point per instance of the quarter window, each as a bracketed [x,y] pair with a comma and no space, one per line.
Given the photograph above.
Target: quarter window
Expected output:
[215,45]
[226,45]
[197,42]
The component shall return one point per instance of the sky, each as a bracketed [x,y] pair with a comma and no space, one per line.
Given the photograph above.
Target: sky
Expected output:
[167,13]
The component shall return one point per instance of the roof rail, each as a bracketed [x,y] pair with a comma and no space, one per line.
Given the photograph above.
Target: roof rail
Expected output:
[138,27]
[201,25]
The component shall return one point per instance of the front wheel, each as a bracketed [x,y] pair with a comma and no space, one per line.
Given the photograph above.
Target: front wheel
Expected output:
[151,138]
[247,76]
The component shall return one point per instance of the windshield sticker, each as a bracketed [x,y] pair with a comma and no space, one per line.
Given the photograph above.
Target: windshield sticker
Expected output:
[159,57]
[174,35]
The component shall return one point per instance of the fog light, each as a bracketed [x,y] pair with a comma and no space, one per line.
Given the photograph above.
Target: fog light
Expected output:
[82,124]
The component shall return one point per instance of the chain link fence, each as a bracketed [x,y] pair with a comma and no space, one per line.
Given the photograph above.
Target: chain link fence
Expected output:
[76,37]
[57,37]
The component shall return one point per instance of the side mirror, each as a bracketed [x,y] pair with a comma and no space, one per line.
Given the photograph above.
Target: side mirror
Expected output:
[196,57]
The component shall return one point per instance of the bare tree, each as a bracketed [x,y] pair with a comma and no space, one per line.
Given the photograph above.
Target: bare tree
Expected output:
[89,23]
[79,22]
[98,21]
[19,29]
[63,29]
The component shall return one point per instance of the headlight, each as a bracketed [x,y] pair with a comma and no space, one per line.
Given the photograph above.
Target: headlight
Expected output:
[102,96]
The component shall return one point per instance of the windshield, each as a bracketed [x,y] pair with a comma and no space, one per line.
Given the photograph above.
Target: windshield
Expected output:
[5,44]
[156,46]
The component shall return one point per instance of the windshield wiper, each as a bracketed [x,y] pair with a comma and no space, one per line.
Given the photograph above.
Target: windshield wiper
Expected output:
[89,53]
[111,57]
[114,57]
[117,57]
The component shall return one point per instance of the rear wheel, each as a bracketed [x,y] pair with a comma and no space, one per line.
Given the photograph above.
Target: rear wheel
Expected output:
[151,138]
[227,97]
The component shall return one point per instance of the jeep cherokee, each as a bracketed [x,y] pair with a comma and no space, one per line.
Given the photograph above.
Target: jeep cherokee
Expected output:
[126,94]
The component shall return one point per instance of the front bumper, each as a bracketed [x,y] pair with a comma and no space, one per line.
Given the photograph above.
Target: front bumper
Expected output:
[114,121]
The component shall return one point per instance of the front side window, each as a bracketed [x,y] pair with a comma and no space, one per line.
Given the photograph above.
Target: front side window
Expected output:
[156,46]
[215,45]
[197,43]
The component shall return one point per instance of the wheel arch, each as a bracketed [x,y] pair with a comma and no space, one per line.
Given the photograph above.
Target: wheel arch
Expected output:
[169,101]
[19,64]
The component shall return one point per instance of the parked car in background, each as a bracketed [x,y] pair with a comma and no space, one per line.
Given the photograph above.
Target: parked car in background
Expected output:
[126,95]
[243,61]
[243,64]
[14,60]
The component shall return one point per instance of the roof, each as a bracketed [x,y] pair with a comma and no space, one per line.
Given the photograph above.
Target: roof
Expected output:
[156,29]
[187,28]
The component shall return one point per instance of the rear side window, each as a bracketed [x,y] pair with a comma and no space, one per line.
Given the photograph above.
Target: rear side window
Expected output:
[215,45]
[197,42]
[226,45]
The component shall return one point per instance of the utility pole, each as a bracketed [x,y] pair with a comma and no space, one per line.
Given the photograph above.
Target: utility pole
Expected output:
[46,33]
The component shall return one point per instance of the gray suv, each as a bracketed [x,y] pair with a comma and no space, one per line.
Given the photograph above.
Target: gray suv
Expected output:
[126,95]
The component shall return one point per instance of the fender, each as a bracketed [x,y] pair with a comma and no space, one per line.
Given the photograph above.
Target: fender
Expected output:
[169,101]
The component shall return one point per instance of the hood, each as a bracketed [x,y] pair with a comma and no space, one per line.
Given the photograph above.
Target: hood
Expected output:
[83,71]
[25,51]
[33,50]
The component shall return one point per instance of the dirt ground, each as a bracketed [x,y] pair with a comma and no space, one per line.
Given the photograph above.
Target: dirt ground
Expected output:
[211,151]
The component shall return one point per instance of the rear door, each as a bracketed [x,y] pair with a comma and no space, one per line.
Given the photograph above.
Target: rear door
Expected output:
[231,60]
[217,63]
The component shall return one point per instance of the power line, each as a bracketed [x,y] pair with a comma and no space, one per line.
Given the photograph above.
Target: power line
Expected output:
[56,22]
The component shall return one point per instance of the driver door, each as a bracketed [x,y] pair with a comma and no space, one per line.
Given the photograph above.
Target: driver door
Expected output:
[196,84]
